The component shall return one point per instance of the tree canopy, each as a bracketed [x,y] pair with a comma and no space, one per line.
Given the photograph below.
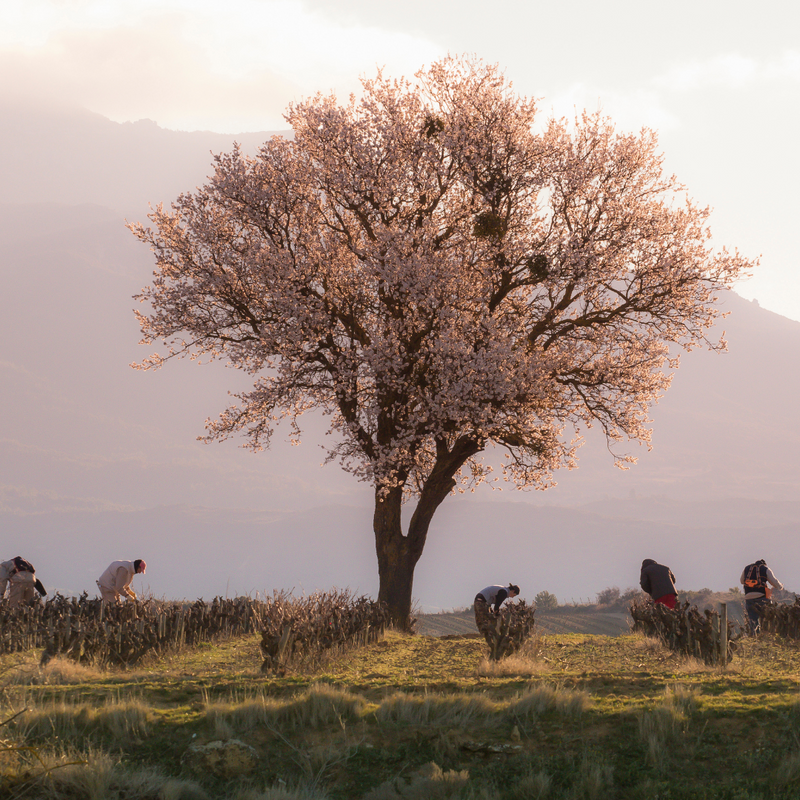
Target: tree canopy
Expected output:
[438,273]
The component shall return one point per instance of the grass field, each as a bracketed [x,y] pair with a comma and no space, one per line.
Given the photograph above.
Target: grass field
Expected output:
[577,716]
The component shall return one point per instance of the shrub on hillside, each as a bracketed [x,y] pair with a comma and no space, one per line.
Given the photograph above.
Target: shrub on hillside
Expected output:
[91,632]
[546,601]
[782,619]
[295,630]
[613,598]
[608,596]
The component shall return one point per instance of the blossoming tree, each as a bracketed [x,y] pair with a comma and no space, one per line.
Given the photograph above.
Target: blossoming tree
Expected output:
[438,276]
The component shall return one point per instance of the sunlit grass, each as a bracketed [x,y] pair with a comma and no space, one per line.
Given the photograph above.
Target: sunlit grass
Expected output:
[436,709]
[58,672]
[543,698]
[118,722]
[315,707]
[526,662]
[557,716]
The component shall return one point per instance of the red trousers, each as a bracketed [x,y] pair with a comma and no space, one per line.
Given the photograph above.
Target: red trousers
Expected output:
[668,600]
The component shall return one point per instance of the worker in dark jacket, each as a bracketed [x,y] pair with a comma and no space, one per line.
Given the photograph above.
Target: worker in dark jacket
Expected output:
[659,582]
[754,580]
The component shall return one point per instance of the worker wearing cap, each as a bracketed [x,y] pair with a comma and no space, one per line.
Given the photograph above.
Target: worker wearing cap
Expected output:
[116,580]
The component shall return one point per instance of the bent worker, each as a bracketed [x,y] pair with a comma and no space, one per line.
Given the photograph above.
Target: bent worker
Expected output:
[116,580]
[20,576]
[754,579]
[659,582]
[487,604]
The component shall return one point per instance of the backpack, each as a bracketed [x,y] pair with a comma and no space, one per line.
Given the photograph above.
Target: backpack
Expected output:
[22,565]
[756,578]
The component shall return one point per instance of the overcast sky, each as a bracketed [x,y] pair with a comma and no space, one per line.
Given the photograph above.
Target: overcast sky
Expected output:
[720,81]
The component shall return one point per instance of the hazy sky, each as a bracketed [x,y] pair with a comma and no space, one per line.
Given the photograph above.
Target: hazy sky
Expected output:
[720,81]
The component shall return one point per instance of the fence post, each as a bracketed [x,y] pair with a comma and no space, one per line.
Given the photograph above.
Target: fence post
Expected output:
[283,643]
[715,639]
[723,633]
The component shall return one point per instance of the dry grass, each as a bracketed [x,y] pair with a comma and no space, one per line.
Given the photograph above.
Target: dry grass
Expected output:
[535,785]
[460,709]
[542,698]
[428,783]
[322,706]
[594,781]
[787,773]
[95,775]
[662,725]
[466,710]
[119,721]
[318,706]
[280,793]
[650,645]
[548,728]
[689,665]
[526,662]
[58,672]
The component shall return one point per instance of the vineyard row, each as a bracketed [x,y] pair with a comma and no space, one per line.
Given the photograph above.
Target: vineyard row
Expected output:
[90,632]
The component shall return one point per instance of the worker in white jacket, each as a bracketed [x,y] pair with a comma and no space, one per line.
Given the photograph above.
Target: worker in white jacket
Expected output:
[116,580]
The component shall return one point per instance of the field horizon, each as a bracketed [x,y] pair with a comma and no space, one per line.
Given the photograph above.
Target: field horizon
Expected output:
[609,619]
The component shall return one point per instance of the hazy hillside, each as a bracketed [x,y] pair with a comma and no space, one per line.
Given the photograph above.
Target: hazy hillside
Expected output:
[73,156]
[100,461]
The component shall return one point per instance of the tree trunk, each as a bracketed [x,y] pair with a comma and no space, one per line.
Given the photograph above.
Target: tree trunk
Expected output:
[397,558]
[398,554]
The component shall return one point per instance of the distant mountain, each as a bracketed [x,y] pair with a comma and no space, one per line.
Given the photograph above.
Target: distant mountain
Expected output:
[725,427]
[73,156]
[99,461]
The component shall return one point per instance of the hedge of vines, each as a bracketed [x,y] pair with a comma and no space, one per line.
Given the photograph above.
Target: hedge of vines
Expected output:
[782,619]
[89,632]
[687,630]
